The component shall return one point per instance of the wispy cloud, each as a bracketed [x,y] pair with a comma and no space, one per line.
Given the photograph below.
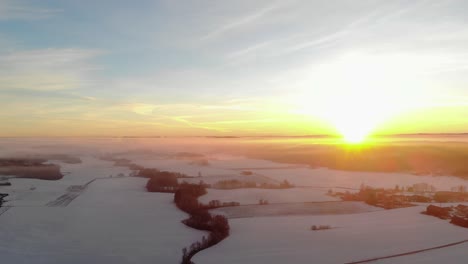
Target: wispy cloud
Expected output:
[62,94]
[248,50]
[177,65]
[240,22]
[192,124]
[47,69]
[142,109]
[319,41]
[21,10]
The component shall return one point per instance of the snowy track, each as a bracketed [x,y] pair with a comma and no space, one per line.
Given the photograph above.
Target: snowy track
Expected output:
[4,209]
[375,236]
[113,221]
[72,193]
[408,253]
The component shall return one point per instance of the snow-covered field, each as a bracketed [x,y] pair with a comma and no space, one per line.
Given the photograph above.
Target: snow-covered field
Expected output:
[452,255]
[113,221]
[230,167]
[315,208]
[286,239]
[33,192]
[350,179]
[253,195]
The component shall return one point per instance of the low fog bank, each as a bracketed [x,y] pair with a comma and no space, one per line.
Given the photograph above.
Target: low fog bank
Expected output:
[417,157]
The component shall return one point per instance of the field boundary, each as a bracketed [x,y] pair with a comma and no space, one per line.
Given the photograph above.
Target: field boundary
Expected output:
[408,253]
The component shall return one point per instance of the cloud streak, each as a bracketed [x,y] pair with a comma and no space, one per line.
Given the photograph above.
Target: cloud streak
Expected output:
[47,69]
[240,22]
[21,10]
[178,66]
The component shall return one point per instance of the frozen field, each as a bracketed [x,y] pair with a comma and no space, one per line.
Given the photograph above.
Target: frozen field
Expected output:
[114,220]
[349,179]
[287,209]
[230,167]
[455,254]
[253,195]
[283,239]
[33,192]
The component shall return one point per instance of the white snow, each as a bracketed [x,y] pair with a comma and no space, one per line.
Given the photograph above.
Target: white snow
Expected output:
[452,255]
[286,239]
[253,195]
[113,221]
[230,167]
[350,179]
[281,209]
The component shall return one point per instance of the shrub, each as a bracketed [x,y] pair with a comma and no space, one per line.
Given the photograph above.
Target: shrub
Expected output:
[441,212]
[459,221]
[160,181]
[320,227]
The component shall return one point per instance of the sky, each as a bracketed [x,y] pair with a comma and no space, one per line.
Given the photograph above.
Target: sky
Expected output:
[195,68]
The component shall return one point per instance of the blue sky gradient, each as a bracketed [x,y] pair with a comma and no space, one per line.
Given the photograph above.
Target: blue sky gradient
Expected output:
[231,67]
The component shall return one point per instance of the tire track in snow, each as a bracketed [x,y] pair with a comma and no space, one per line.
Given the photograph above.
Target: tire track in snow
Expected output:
[3,209]
[73,192]
[408,253]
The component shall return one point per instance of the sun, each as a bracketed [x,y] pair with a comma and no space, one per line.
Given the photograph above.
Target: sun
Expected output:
[354,136]
[355,119]
[358,93]
[355,116]
[358,114]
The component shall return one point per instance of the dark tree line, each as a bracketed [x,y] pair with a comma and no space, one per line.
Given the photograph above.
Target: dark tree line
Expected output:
[160,181]
[150,173]
[236,184]
[2,197]
[186,199]
[457,214]
[30,168]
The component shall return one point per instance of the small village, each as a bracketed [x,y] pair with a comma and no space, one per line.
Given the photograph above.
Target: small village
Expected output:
[404,196]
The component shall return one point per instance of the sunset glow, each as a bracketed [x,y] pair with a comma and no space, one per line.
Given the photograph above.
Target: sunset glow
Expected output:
[356,77]
[168,131]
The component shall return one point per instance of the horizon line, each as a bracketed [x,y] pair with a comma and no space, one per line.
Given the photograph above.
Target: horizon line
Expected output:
[250,136]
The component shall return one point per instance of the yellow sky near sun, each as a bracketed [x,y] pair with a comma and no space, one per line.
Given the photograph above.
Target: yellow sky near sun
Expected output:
[125,122]
[365,68]
[353,95]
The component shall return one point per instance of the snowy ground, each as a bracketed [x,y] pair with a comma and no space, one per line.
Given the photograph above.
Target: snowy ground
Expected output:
[230,167]
[354,237]
[452,255]
[253,195]
[113,221]
[315,208]
[350,179]
[33,192]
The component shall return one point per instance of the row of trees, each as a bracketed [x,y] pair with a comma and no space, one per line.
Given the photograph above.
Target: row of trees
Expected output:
[458,215]
[160,181]
[186,199]
[34,168]
[2,197]
[217,203]
[236,184]
[150,173]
